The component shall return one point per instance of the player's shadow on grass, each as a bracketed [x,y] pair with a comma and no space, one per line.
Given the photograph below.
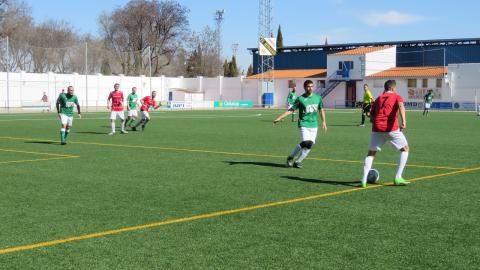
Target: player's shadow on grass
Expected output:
[321,181]
[42,142]
[343,125]
[92,132]
[256,163]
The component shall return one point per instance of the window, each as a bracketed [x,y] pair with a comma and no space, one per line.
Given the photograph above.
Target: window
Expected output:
[345,65]
[425,83]
[349,64]
[412,83]
[439,83]
[321,84]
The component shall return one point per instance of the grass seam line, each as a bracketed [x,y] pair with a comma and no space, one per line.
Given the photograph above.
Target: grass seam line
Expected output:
[35,160]
[35,153]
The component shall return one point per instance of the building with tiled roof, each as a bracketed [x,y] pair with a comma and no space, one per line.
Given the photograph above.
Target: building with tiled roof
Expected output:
[349,67]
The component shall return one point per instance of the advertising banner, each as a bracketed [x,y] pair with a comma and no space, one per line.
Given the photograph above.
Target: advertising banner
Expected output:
[233,104]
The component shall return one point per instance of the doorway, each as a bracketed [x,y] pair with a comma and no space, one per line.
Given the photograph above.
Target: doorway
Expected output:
[351,94]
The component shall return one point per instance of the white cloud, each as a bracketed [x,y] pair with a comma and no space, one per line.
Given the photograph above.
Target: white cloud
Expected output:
[391,17]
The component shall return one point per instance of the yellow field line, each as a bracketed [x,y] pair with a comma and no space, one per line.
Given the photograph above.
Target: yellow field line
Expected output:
[214,214]
[35,153]
[35,160]
[232,153]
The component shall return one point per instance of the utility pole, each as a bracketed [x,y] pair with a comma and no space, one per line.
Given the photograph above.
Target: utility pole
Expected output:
[219,17]
[8,76]
[86,75]
[150,65]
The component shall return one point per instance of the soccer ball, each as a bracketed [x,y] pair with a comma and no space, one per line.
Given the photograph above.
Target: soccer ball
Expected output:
[373,176]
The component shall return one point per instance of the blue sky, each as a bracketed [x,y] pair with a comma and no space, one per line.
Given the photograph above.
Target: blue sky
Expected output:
[303,21]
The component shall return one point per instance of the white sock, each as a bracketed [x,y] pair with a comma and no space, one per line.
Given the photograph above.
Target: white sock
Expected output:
[62,129]
[113,127]
[123,125]
[366,168]
[296,151]
[401,164]
[304,154]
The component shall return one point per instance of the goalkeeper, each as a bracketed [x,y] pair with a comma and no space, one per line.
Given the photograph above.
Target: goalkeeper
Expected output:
[367,103]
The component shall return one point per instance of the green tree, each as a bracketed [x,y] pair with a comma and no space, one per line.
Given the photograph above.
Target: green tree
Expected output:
[250,70]
[233,68]
[226,69]
[279,37]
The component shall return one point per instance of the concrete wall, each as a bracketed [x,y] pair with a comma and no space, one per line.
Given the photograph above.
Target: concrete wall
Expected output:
[464,80]
[29,87]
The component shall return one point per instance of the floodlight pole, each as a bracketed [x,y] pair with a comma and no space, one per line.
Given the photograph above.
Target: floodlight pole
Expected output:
[150,65]
[86,75]
[8,76]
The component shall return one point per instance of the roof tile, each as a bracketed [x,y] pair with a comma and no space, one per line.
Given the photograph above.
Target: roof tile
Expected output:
[403,72]
[292,74]
[363,50]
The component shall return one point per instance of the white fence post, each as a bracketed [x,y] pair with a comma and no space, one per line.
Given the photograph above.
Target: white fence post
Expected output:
[200,85]
[220,87]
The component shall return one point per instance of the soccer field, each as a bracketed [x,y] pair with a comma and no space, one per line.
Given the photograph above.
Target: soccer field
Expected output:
[209,189]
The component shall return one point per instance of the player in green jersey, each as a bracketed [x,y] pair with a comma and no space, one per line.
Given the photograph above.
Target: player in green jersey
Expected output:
[367,103]
[132,105]
[65,104]
[428,99]
[309,105]
[292,96]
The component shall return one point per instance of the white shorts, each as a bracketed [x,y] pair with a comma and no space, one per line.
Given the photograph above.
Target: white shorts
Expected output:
[145,115]
[132,113]
[308,134]
[396,138]
[427,105]
[115,114]
[66,120]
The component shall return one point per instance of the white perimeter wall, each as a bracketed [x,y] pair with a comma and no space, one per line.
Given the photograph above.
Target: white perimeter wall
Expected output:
[29,87]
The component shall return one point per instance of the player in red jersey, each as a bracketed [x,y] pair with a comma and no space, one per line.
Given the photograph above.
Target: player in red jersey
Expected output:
[115,103]
[384,117]
[147,102]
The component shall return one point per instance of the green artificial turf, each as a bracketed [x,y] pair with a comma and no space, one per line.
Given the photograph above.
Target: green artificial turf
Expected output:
[192,163]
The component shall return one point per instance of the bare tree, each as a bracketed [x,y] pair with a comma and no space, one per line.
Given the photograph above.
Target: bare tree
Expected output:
[17,24]
[53,47]
[142,27]
[203,59]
